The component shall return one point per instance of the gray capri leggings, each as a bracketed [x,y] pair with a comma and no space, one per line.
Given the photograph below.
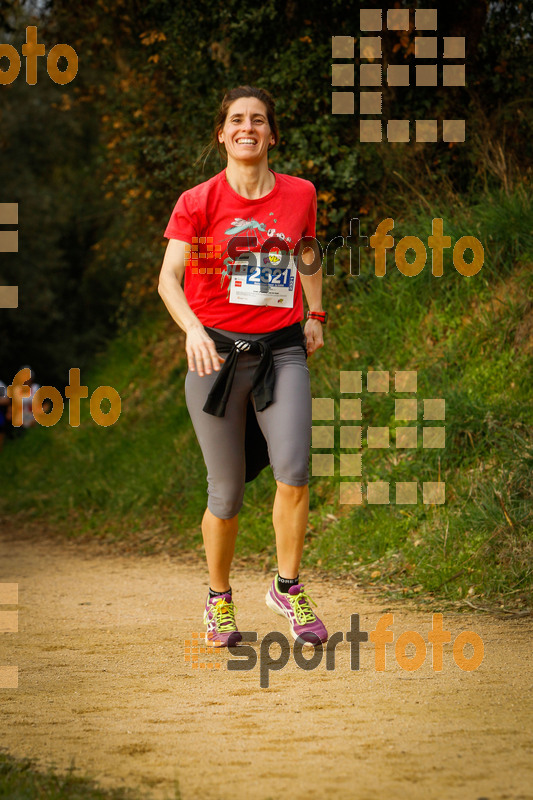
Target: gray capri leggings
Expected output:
[286,425]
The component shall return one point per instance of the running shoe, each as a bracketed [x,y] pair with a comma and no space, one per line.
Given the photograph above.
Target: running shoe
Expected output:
[219,616]
[304,623]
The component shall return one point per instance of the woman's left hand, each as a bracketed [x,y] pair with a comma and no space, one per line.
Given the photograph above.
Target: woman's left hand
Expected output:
[314,335]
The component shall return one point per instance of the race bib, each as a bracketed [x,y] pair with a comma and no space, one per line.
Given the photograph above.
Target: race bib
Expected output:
[262,283]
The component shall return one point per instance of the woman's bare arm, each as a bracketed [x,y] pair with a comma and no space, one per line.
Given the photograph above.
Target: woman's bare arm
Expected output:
[312,286]
[201,352]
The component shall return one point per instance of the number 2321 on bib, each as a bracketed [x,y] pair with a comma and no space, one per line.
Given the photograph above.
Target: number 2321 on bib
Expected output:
[265,285]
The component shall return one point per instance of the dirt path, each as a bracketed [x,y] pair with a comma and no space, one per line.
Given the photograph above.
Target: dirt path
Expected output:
[103,681]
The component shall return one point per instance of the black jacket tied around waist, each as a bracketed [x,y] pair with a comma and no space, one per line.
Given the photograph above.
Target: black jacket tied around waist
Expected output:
[263,381]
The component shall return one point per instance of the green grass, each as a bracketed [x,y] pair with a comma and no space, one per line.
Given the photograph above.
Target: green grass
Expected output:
[471,342]
[20,780]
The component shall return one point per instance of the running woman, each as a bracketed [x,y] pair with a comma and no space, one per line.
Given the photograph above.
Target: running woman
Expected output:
[247,388]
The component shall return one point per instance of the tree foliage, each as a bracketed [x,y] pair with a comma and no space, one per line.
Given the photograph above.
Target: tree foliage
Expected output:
[98,165]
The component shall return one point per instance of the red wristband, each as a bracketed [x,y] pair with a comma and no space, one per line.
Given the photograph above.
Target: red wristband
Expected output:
[321,316]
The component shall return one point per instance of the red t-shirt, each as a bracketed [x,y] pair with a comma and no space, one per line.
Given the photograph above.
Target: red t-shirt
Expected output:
[213,209]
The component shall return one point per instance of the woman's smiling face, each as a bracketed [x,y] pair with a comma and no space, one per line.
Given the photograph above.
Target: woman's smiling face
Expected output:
[246,133]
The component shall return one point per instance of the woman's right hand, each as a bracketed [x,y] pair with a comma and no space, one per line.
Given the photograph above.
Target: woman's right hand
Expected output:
[202,356]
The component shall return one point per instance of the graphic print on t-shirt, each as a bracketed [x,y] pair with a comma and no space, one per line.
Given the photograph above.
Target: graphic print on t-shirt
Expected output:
[255,278]
[210,215]
[238,227]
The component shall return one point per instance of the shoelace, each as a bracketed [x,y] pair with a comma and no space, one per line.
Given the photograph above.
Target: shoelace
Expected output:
[304,613]
[224,614]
